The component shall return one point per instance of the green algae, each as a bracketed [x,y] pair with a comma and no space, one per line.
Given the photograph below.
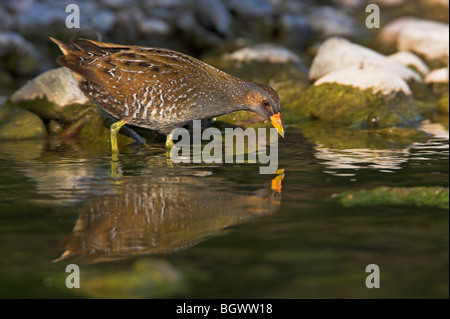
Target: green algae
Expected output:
[443,104]
[418,196]
[48,110]
[97,130]
[355,108]
[243,119]
[17,123]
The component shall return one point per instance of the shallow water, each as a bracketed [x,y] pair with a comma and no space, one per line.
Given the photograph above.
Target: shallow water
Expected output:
[146,227]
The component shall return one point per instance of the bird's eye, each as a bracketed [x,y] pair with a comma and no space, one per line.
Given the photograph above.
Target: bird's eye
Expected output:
[266,103]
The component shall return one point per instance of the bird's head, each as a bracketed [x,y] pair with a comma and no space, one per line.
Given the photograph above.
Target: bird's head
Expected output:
[263,100]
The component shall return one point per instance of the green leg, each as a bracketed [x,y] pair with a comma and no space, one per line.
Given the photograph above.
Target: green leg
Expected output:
[115,127]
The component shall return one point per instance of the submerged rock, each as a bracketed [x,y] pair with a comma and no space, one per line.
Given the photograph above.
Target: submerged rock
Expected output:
[338,54]
[419,196]
[17,123]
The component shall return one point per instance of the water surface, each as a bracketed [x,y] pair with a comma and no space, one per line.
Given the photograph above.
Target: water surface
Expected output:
[145,227]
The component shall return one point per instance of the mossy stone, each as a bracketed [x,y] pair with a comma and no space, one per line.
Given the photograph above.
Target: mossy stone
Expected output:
[443,104]
[96,130]
[419,196]
[352,107]
[48,110]
[17,123]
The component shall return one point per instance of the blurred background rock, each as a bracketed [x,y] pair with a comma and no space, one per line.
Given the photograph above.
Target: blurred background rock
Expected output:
[196,27]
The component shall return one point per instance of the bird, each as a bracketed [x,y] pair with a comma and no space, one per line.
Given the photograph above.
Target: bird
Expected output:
[161,89]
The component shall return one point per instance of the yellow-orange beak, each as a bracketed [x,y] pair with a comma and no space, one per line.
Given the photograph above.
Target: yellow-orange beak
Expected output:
[276,122]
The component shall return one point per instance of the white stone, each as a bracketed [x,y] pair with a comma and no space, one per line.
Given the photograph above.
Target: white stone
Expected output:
[437,76]
[153,26]
[410,59]
[264,52]
[333,22]
[429,39]
[58,85]
[389,33]
[378,81]
[338,53]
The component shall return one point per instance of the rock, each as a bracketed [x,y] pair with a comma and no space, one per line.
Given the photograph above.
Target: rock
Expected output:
[347,106]
[54,127]
[428,39]
[153,26]
[338,54]
[7,21]
[296,30]
[243,119]
[443,106]
[434,196]
[388,35]
[117,4]
[214,14]
[17,123]
[266,52]
[437,76]
[377,81]
[147,278]
[53,91]
[40,14]
[329,22]
[390,3]
[252,8]
[103,21]
[20,56]
[152,4]
[409,59]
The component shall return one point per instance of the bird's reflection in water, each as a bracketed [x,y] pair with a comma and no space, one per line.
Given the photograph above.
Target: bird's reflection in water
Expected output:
[155,215]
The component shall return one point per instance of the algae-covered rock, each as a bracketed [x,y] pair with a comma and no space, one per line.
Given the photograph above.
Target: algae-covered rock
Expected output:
[352,107]
[52,95]
[288,79]
[419,196]
[443,103]
[96,131]
[262,70]
[17,123]
[148,278]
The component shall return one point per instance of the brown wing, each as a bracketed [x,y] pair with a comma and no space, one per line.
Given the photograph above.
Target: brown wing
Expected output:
[100,62]
[142,80]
